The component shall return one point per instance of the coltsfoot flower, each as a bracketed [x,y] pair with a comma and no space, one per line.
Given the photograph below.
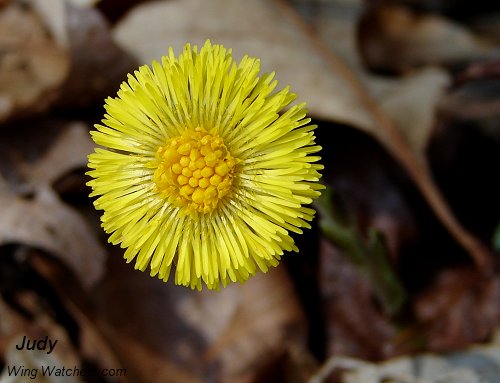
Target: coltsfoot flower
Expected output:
[201,167]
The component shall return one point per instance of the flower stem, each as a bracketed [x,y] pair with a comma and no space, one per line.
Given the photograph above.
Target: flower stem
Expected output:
[370,255]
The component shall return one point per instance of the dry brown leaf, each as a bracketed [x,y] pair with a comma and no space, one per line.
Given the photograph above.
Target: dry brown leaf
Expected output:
[32,68]
[92,345]
[477,364]
[466,146]
[409,101]
[411,104]
[41,300]
[281,47]
[69,151]
[461,307]
[44,221]
[97,64]
[405,119]
[33,363]
[138,315]
[184,335]
[290,47]
[403,122]
[52,13]
[247,326]
[47,223]
[395,38]
[355,326]
[475,96]
[83,3]
[256,28]
[369,189]
[13,327]
[145,365]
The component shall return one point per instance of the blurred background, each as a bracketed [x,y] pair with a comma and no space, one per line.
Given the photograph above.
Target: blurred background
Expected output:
[398,279]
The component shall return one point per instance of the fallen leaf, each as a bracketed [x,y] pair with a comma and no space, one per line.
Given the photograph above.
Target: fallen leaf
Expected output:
[468,139]
[487,25]
[146,365]
[153,343]
[92,344]
[47,223]
[38,300]
[32,364]
[404,119]
[114,11]
[247,326]
[68,151]
[460,308]
[411,104]
[354,324]
[476,364]
[83,3]
[409,101]
[394,38]
[97,65]
[12,325]
[32,68]
[150,28]
[38,324]
[33,214]
[183,335]
[475,97]
[372,213]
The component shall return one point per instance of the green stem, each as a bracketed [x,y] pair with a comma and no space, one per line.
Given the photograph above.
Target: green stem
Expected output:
[496,238]
[369,255]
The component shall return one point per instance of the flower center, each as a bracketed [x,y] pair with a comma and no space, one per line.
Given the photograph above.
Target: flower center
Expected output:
[194,170]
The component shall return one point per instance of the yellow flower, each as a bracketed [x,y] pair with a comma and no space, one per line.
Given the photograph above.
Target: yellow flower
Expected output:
[202,168]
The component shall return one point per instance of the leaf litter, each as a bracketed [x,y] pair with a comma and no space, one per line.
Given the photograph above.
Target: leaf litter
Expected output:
[390,71]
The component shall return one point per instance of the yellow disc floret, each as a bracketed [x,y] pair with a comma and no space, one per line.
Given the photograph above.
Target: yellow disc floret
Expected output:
[194,170]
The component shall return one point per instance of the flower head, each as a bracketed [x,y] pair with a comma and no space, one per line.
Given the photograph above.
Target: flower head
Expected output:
[203,168]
